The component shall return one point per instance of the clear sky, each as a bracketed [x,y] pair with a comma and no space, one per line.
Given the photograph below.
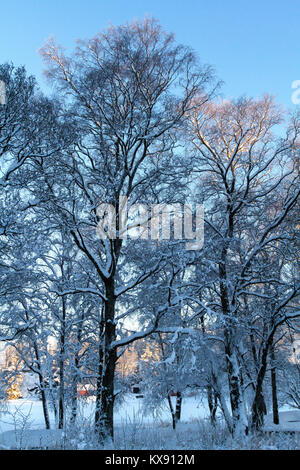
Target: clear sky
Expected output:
[253,45]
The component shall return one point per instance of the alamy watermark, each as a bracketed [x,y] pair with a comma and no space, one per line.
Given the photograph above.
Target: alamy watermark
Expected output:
[154,222]
[296,94]
[2,93]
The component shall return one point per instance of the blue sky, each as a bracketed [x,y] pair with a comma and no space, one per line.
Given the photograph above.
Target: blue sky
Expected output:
[253,45]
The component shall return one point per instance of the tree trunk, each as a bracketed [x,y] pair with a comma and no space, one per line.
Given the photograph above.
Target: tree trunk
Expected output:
[234,387]
[74,403]
[104,425]
[76,372]
[100,373]
[61,400]
[178,406]
[274,388]
[258,411]
[42,389]
[233,368]
[258,405]
[173,413]
[44,403]
[212,400]
[74,390]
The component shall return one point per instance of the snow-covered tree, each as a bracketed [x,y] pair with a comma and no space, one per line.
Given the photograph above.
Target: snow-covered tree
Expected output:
[129,90]
[247,180]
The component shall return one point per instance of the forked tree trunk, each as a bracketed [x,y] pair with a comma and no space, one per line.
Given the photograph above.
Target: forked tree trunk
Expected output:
[212,400]
[173,412]
[258,405]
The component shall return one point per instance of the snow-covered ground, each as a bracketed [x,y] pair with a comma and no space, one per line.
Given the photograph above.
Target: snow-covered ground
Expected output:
[289,420]
[131,409]
[22,424]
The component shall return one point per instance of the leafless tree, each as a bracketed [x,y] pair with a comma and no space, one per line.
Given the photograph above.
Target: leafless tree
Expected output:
[129,90]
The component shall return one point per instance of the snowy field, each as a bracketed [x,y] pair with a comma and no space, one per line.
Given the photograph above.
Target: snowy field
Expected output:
[289,420]
[130,410]
[22,426]
[22,422]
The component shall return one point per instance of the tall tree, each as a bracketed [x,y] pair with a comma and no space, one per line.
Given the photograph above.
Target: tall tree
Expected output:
[129,89]
[243,172]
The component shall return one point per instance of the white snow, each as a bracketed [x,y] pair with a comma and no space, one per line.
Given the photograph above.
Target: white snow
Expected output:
[288,421]
[22,424]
